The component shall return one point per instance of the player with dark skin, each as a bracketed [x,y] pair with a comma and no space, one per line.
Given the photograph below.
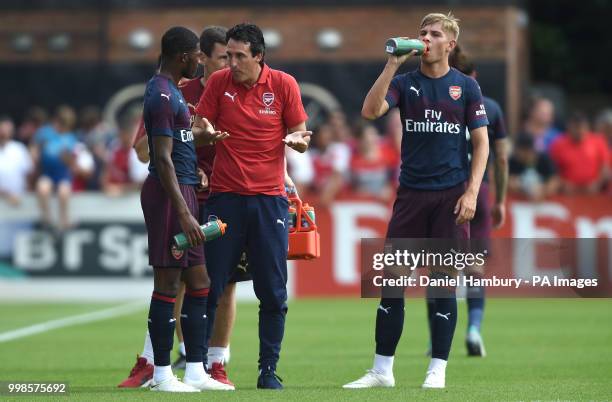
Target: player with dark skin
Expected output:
[169,205]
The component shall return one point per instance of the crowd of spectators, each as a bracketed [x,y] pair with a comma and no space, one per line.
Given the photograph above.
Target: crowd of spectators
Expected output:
[547,161]
[66,152]
[344,156]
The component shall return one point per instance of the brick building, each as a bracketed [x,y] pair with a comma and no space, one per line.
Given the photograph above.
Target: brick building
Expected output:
[99,46]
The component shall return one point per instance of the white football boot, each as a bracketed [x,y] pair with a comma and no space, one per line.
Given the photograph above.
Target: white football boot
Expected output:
[172,384]
[372,379]
[435,379]
[207,383]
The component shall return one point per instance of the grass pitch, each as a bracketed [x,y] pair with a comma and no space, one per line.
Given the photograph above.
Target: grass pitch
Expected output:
[538,349]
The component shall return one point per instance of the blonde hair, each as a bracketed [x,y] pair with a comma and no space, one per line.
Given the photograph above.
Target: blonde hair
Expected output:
[450,24]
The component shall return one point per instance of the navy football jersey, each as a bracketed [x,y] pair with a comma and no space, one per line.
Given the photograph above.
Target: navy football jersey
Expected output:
[496,129]
[435,114]
[166,113]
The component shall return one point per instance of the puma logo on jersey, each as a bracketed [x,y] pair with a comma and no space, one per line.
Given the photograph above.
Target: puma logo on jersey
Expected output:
[230,95]
[165,96]
[417,91]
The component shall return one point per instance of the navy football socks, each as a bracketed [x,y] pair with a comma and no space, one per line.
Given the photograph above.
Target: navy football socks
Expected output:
[443,323]
[161,325]
[193,322]
[389,325]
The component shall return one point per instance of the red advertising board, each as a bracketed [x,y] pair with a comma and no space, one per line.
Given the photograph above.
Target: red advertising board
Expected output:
[350,218]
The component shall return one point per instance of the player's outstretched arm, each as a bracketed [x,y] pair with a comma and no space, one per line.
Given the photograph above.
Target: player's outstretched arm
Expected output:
[374,104]
[162,148]
[466,205]
[204,133]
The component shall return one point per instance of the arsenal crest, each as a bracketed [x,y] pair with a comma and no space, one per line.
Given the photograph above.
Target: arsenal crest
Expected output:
[176,253]
[454,91]
[268,98]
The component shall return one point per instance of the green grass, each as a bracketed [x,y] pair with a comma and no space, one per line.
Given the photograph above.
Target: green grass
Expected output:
[538,350]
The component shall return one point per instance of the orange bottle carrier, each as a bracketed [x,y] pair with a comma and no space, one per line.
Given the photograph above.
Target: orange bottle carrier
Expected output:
[304,240]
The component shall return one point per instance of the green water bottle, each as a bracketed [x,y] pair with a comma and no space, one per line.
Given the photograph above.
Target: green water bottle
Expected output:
[401,46]
[211,231]
[311,213]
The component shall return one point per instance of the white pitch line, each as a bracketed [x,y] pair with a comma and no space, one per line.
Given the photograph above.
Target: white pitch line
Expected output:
[100,315]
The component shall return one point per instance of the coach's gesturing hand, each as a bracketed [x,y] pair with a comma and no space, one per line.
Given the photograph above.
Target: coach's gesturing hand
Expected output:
[298,140]
[205,134]
[465,207]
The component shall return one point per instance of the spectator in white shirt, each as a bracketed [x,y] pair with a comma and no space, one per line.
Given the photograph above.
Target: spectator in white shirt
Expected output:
[331,162]
[15,164]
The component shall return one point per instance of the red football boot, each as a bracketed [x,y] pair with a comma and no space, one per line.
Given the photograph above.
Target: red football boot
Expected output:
[217,372]
[140,376]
